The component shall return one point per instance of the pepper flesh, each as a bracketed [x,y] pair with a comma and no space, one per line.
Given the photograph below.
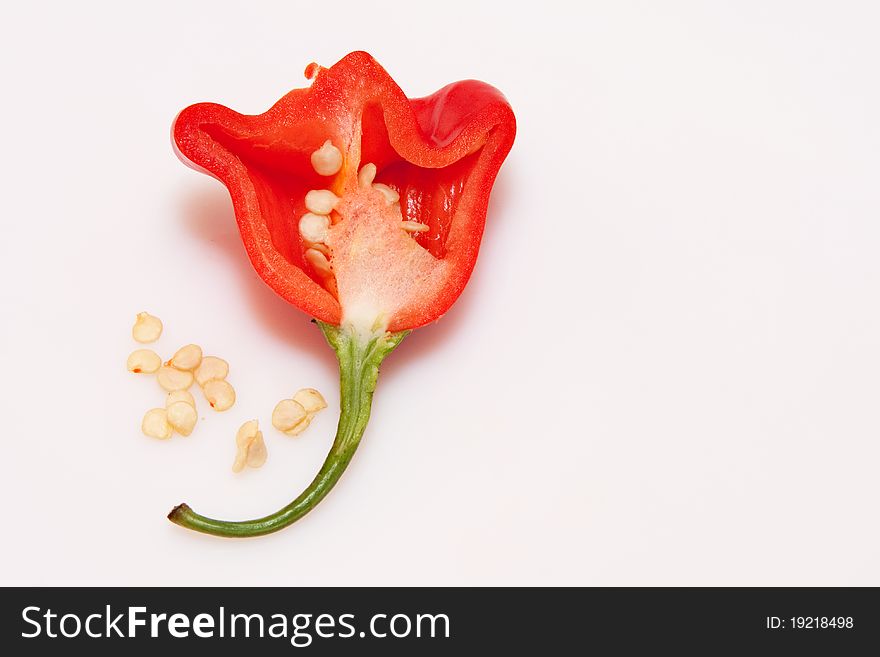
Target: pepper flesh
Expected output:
[401,242]
[441,153]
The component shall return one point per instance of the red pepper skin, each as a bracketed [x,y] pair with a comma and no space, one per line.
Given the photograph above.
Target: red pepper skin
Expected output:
[442,153]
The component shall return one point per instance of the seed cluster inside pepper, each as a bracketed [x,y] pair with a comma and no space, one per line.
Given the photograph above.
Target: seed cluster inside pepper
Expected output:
[321,204]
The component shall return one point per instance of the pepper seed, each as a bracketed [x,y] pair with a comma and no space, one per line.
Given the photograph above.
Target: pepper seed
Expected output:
[146,328]
[287,414]
[176,396]
[392,196]
[211,367]
[366,175]
[170,378]
[327,160]
[182,417]
[314,227]
[310,399]
[220,395]
[155,424]
[250,448]
[321,201]
[143,361]
[188,357]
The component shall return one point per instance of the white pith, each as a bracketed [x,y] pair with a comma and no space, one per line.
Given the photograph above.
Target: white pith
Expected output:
[366,224]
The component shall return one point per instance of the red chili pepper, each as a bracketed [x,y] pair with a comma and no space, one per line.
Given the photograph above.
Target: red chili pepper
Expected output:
[389,250]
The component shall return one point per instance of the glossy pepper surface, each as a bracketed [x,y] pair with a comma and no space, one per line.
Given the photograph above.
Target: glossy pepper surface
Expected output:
[360,206]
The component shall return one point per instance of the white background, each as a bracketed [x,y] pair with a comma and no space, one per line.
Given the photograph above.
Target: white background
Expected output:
[665,369]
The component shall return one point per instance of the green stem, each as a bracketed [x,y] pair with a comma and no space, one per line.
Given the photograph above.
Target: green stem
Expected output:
[359,360]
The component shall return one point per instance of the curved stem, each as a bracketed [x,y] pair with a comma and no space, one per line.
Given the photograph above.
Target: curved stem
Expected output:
[359,360]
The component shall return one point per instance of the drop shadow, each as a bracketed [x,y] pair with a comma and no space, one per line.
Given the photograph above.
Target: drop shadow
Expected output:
[208,215]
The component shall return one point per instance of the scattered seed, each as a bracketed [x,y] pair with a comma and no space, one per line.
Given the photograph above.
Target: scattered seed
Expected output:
[310,399]
[182,416]
[247,432]
[143,361]
[327,160]
[287,414]
[211,367]
[155,424]
[257,454]
[171,378]
[414,227]
[314,227]
[146,328]
[176,396]
[250,448]
[321,201]
[188,357]
[391,195]
[367,174]
[220,395]
[301,426]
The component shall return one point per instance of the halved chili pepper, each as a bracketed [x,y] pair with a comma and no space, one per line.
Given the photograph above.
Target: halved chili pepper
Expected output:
[386,247]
